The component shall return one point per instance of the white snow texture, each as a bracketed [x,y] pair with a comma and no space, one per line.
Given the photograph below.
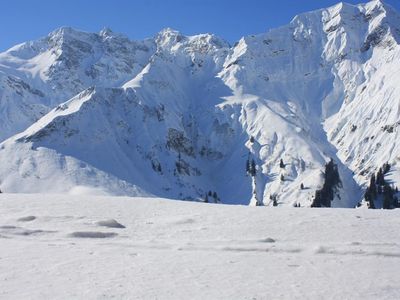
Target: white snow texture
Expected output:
[52,247]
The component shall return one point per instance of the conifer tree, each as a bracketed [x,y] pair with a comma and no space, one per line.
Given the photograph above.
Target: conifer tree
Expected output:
[386,168]
[247,166]
[380,178]
[368,196]
[281,164]
[317,202]
[215,196]
[372,203]
[325,195]
[371,193]
[372,186]
[387,197]
[253,171]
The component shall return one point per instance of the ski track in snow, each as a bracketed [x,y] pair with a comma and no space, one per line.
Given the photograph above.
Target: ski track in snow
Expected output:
[54,247]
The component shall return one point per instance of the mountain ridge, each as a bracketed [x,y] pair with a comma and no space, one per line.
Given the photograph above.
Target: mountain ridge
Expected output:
[187,112]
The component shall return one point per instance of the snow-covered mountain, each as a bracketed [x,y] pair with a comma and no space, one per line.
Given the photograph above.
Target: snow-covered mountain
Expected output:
[177,116]
[41,74]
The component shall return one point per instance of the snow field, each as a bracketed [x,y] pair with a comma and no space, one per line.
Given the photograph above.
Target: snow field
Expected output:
[63,247]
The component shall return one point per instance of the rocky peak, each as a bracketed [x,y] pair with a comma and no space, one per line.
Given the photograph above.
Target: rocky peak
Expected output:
[168,38]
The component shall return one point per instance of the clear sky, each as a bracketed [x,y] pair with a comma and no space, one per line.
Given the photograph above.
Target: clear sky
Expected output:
[23,20]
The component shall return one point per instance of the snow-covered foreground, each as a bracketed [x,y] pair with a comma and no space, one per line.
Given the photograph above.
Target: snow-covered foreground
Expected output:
[76,247]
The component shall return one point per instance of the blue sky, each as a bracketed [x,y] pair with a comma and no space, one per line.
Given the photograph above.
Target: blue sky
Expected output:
[23,20]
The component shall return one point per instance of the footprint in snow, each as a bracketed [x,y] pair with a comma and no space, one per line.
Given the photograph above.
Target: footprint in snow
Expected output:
[111,223]
[26,219]
[267,240]
[14,230]
[92,234]
[185,221]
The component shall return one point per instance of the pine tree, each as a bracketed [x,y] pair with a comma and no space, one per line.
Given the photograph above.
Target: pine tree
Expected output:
[253,171]
[372,203]
[371,193]
[379,189]
[395,202]
[372,186]
[281,164]
[317,202]
[274,199]
[206,199]
[332,174]
[387,197]
[324,196]
[368,196]
[215,196]
[380,177]
[282,177]
[302,186]
[247,166]
[386,168]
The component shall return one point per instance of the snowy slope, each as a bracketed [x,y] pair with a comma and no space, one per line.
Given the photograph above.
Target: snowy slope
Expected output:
[61,65]
[69,247]
[178,116]
[20,105]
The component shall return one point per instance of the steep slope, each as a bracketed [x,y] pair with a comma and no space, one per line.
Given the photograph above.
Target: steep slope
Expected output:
[315,70]
[20,104]
[63,64]
[365,131]
[185,114]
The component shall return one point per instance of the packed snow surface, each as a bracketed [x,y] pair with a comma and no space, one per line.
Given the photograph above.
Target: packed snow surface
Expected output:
[62,247]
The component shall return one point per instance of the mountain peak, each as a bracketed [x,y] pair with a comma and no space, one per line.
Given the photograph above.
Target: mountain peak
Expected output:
[379,6]
[65,31]
[169,31]
[106,31]
[169,37]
